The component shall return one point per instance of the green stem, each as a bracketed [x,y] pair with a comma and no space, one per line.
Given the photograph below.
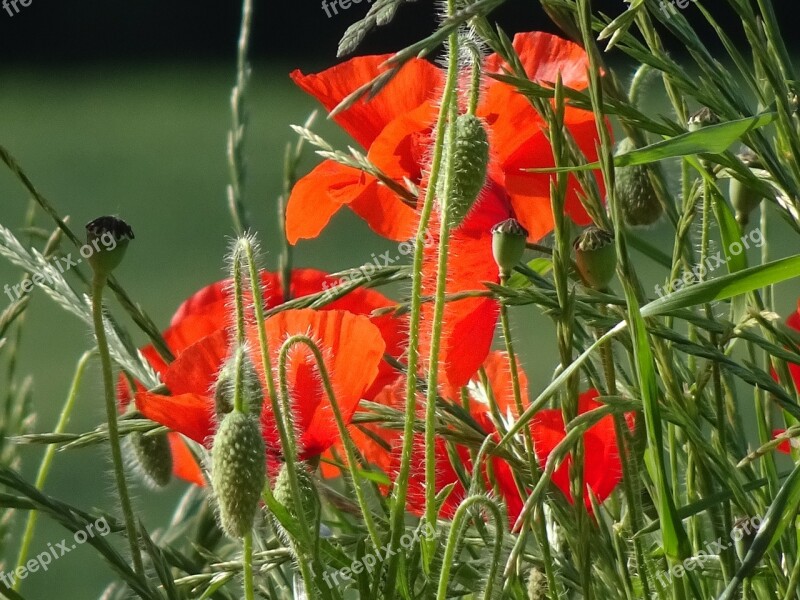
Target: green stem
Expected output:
[98,283]
[47,460]
[247,564]
[400,489]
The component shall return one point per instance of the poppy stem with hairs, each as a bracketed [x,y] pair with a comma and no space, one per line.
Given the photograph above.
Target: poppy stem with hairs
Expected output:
[98,284]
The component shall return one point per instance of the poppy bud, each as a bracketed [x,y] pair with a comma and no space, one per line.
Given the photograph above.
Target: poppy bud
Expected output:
[702,118]
[238,471]
[635,193]
[508,244]
[108,238]
[467,161]
[226,384]
[595,256]
[744,198]
[283,492]
[153,457]
[537,585]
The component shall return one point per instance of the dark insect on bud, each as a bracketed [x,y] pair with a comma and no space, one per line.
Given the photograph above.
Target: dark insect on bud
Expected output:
[238,472]
[508,244]
[153,457]
[595,257]
[108,238]
[635,193]
[702,118]
[467,163]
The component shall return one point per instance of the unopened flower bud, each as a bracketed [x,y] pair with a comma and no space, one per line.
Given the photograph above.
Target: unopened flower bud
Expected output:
[595,256]
[537,585]
[635,193]
[282,491]
[225,385]
[467,162]
[153,457]
[743,197]
[108,238]
[508,244]
[702,118]
[238,471]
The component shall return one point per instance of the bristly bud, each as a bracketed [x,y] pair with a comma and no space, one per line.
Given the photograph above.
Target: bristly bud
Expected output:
[508,244]
[153,457]
[744,198]
[108,238]
[238,471]
[225,386]
[596,257]
[537,585]
[635,193]
[702,118]
[282,491]
[467,163]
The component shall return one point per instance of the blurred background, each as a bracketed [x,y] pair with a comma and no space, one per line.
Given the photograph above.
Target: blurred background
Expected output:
[115,108]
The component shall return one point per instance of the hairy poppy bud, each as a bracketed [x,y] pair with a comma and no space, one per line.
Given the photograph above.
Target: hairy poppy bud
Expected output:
[744,198]
[153,457]
[468,162]
[226,385]
[282,491]
[635,193]
[595,256]
[537,585]
[238,471]
[108,239]
[508,244]
[702,118]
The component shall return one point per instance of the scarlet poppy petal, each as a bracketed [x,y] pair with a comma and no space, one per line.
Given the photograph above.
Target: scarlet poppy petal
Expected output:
[184,464]
[498,373]
[794,322]
[544,57]
[195,370]
[352,348]
[385,213]
[469,324]
[189,414]
[415,83]
[317,197]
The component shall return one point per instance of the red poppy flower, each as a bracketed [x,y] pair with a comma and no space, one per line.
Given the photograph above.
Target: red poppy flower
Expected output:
[352,349]
[786,445]
[396,127]
[602,470]
[794,322]
[208,311]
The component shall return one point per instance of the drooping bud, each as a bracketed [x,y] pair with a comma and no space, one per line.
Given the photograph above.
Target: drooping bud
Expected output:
[153,457]
[702,118]
[743,197]
[108,239]
[282,491]
[635,193]
[595,256]
[238,471]
[467,162]
[226,383]
[508,244]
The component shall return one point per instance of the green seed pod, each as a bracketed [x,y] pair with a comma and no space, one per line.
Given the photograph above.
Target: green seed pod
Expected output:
[702,118]
[238,471]
[508,244]
[107,239]
[153,457]
[282,491]
[226,384]
[596,257]
[744,198]
[537,585]
[468,162]
[635,193]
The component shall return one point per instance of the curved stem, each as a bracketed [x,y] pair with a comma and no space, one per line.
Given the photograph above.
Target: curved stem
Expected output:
[47,460]
[98,283]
